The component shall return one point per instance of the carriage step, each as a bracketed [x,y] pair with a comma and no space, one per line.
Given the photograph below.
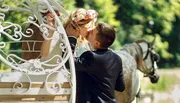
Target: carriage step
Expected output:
[33,84]
[11,92]
[33,98]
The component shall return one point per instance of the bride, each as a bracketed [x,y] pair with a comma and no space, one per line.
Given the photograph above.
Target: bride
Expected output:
[77,26]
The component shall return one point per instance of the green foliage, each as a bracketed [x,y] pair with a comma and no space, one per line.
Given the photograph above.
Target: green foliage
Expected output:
[160,46]
[69,5]
[164,83]
[106,10]
[145,18]
[133,19]
[174,47]
[15,16]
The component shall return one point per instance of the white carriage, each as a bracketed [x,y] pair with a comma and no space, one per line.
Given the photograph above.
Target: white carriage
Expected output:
[34,80]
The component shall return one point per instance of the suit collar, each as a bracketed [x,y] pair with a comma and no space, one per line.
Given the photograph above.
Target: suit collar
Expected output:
[101,49]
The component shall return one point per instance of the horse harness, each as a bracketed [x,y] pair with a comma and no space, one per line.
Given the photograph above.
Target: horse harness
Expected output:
[154,58]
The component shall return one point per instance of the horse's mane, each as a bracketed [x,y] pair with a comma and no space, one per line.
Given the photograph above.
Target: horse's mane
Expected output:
[135,50]
[141,40]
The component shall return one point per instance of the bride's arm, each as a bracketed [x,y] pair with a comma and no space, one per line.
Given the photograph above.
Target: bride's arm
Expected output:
[45,48]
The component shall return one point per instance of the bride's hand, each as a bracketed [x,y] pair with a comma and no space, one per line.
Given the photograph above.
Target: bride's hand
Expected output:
[50,19]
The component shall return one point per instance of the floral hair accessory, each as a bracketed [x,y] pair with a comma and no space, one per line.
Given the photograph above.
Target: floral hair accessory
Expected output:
[84,15]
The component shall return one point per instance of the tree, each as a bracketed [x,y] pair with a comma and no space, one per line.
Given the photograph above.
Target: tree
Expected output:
[146,18]
[133,19]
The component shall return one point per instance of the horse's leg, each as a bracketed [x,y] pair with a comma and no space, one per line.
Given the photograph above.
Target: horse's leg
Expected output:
[126,95]
[137,76]
[132,87]
[138,96]
[134,101]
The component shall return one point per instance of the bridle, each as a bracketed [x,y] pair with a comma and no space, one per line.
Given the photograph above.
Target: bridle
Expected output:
[154,58]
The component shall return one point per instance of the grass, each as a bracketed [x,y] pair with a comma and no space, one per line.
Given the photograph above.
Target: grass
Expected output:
[165,82]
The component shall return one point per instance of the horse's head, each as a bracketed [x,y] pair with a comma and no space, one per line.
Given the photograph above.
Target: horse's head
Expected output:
[147,62]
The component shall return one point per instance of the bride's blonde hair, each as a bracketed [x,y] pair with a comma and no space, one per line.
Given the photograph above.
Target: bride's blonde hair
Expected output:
[81,17]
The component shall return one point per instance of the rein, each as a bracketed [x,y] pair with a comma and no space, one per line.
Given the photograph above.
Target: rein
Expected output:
[151,74]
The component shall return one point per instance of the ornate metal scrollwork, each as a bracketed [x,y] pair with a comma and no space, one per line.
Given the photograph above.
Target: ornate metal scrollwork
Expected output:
[19,87]
[13,33]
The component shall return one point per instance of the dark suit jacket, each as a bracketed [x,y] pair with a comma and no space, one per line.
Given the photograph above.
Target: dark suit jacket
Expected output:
[99,72]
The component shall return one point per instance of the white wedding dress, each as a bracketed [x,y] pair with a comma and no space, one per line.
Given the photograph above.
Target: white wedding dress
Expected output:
[53,59]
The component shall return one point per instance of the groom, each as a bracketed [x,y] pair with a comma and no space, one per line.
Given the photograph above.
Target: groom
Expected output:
[99,72]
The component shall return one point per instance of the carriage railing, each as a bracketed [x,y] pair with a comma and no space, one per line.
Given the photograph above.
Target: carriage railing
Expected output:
[11,35]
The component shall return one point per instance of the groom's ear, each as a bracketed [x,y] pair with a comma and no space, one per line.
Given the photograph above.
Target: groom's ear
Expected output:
[98,44]
[72,41]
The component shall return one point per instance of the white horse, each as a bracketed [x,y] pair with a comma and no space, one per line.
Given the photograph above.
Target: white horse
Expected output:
[136,56]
